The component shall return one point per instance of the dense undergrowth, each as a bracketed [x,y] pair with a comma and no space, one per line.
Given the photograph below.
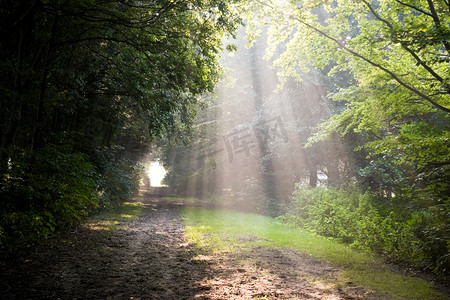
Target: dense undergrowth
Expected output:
[53,189]
[393,227]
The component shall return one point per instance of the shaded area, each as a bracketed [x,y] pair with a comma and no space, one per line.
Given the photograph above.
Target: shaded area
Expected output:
[147,260]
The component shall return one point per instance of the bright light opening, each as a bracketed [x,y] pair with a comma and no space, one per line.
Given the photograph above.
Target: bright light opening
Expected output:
[156,172]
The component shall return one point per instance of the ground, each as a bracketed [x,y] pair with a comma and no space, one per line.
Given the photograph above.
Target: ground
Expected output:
[149,258]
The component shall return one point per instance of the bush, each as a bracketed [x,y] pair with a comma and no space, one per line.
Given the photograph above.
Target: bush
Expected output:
[116,179]
[42,193]
[369,222]
[52,189]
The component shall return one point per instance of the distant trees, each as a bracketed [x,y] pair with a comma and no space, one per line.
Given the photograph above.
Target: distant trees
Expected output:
[93,82]
[248,144]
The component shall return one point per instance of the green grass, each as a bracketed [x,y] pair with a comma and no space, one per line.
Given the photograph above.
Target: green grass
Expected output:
[222,231]
[182,199]
[117,217]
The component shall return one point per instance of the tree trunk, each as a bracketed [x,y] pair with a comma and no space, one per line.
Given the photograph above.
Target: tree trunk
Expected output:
[313,176]
[268,177]
[333,172]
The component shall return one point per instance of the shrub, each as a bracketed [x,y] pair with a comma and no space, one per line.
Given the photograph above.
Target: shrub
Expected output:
[117,180]
[42,193]
[387,226]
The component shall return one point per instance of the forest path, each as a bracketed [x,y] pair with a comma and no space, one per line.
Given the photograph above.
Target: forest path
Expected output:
[148,258]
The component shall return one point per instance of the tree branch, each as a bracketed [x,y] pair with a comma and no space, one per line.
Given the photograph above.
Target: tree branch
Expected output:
[403,44]
[372,63]
[414,7]
[437,22]
[378,66]
[439,164]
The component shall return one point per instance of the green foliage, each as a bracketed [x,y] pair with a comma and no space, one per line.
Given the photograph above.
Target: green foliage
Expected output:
[117,181]
[397,95]
[54,192]
[85,87]
[59,190]
[407,234]
[386,64]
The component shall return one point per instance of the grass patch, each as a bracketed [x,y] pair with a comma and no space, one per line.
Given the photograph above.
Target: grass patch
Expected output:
[183,199]
[117,217]
[221,231]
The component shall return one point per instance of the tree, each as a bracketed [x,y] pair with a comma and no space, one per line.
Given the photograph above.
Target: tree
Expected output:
[266,133]
[398,55]
[396,103]
[98,82]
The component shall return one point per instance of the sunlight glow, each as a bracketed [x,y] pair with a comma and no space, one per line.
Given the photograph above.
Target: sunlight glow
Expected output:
[156,172]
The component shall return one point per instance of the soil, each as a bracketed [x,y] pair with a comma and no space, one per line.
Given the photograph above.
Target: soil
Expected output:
[149,258]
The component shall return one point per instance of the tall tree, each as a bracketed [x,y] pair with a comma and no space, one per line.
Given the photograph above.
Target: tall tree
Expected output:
[96,81]
[154,55]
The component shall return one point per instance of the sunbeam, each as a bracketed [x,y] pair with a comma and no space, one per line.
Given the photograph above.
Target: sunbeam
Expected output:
[226,149]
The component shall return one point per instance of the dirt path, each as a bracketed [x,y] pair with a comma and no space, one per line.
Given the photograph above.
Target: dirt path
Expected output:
[149,259]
